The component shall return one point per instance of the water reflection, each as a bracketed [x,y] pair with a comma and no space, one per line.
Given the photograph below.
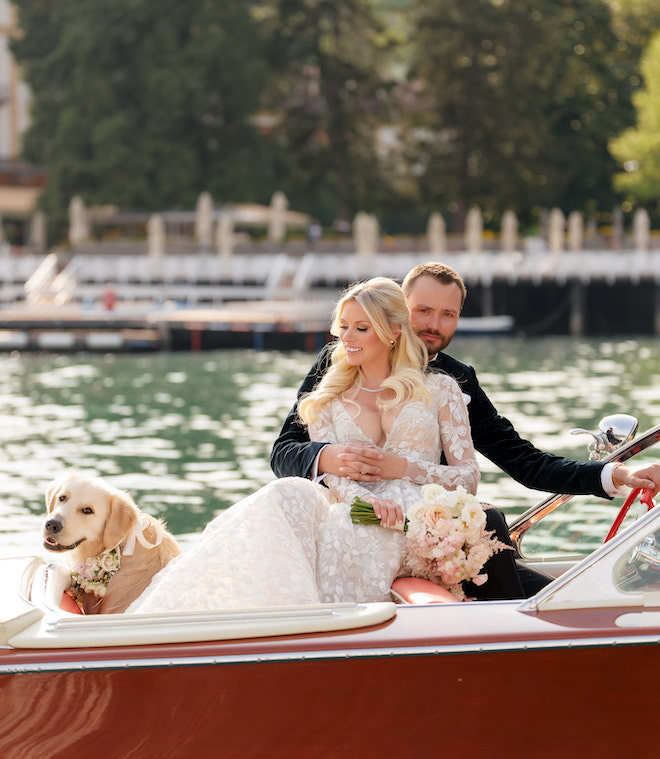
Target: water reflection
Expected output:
[189,434]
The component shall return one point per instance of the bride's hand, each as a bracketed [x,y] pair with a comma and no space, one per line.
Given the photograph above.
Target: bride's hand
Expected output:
[389,511]
[362,463]
[357,462]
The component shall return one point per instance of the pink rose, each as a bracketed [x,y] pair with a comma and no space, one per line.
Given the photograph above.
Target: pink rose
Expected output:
[435,515]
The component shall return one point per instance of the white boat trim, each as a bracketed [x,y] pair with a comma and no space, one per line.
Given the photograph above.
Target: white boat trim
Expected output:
[55,631]
[32,591]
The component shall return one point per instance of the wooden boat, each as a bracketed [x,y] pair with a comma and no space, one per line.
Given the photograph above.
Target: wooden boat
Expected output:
[570,671]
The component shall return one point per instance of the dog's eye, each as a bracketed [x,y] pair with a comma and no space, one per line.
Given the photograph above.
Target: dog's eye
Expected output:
[87,510]
[62,498]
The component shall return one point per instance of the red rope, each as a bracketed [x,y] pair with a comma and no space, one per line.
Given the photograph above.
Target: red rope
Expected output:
[644,498]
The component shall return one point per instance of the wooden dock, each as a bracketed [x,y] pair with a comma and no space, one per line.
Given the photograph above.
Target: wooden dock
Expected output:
[200,301]
[258,325]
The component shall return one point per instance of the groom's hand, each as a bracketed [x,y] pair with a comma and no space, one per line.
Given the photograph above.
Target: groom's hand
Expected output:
[647,477]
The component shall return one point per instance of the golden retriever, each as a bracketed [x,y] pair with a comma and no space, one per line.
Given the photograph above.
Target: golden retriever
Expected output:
[87,518]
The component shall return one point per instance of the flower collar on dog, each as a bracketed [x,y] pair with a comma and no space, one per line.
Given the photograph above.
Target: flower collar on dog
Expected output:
[94,574]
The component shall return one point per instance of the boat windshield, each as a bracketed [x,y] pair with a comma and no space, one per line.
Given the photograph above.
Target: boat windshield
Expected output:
[624,572]
[574,530]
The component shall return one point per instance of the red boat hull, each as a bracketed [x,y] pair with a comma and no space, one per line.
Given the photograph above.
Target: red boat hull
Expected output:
[363,695]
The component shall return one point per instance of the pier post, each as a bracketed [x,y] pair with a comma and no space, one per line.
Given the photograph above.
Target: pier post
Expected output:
[436,234]
[487,301]
[577,310]
[258,340]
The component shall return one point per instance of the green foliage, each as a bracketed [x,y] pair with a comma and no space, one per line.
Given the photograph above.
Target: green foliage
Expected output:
[333,91]
[399,107]
[142,104]
[522,100]
[638,148]
[635,22]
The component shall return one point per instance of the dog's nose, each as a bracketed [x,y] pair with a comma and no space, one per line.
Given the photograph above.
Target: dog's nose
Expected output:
[53,526]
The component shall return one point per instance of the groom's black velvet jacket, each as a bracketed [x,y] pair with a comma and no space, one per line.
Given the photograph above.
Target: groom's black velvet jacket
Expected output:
[493,435]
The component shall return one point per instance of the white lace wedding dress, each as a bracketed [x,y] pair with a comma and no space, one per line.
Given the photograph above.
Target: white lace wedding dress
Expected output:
[293,542]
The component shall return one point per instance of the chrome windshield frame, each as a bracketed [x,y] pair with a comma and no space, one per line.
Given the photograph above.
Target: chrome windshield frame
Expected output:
[533,515]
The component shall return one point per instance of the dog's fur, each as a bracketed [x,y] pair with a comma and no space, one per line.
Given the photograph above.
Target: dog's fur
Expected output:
[87,517]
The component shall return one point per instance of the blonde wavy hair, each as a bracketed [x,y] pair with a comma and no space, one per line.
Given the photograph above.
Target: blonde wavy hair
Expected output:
[384,304]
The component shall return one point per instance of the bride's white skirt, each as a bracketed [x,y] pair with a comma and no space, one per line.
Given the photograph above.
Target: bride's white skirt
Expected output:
[288,543]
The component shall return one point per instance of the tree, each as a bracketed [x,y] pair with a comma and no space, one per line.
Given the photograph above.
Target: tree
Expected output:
[638,148]
[521,101]
[143,104]
[635,23]
[334,85]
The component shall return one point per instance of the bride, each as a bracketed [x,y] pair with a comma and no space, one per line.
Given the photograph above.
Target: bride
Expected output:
[293,541]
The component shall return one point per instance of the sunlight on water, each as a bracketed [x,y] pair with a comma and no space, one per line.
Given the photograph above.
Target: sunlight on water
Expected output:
[189,434]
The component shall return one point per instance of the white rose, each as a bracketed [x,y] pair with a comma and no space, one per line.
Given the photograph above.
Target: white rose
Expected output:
[473,519]
[108,562]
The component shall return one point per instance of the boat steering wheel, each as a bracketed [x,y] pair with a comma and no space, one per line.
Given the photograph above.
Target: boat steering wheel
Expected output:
[645,498]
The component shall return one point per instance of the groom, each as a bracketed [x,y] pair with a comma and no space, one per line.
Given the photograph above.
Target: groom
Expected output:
[435,294]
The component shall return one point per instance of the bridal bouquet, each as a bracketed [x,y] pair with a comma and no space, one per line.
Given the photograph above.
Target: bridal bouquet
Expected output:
[447,537]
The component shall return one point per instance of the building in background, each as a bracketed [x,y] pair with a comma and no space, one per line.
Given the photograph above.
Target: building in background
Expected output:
[20,184]
[14,94]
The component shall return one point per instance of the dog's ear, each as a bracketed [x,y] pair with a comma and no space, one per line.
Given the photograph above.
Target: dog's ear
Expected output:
[55,485]
[122,516]
[50,493]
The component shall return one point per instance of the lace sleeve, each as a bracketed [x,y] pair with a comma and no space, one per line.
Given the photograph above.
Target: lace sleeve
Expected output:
[455,439]
[343,488]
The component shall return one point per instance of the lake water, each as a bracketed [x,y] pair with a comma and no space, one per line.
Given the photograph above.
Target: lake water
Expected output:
[188,434]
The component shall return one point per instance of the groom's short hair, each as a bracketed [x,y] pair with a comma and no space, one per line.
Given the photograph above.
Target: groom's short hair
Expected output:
[443,273]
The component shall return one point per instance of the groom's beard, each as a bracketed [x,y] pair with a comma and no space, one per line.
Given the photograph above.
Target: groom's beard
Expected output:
[435,341]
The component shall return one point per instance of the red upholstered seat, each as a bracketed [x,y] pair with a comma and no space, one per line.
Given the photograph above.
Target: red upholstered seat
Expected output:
[415,590]
[68,604]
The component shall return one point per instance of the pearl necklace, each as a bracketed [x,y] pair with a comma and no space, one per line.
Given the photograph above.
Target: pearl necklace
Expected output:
[372,389]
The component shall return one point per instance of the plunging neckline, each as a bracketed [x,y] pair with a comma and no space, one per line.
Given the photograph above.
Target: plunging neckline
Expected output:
[395,421]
